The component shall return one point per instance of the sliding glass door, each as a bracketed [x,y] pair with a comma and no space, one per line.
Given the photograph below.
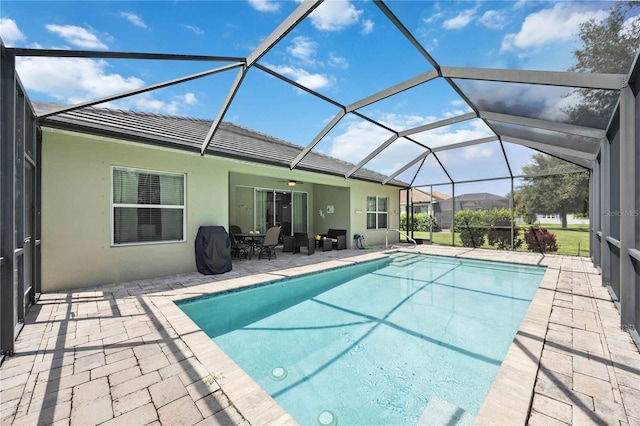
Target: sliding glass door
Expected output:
[287,209]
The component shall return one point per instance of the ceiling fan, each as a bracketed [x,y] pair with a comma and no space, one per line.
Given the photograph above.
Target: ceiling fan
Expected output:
[292,182]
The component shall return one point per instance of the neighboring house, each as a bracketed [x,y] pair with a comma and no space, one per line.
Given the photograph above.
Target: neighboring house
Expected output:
[471,201]
[124,193]
[555,219]
[422,202]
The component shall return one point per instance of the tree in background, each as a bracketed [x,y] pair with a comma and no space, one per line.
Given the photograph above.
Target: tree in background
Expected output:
[608,46]
[555,194]
[520,208]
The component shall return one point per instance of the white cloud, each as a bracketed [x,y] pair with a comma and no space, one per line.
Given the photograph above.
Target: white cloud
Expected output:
[335,15]
[10,32]
[303,48]
[190,98]
[305,78]
[442,136]
[433,17]
[535,101]
[493,19]
[134,19]
[338,61]
[461,20]
[73,80]
[367,26]
[195,29]
[559,23]
[265,5]
[477,152]
[78,36]
[356,139]
[404,121]
[631,25]
[147,103]
[436,16]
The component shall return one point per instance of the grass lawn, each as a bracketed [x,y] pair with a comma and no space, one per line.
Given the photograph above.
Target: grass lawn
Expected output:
[573,241]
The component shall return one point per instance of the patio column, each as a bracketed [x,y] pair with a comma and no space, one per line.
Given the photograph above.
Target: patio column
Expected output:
[605,205]
[628,210]
[594,216]
[8,196]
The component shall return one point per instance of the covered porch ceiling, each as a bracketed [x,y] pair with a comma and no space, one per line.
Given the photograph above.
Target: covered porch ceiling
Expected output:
[511,106]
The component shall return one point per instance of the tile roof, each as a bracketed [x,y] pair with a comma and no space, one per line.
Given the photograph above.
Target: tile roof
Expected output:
[230,141]
[419,196]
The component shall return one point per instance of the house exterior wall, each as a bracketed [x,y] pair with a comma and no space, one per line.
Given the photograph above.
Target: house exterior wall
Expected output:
[359,192]
[341,217]
[76,210]
[76,206]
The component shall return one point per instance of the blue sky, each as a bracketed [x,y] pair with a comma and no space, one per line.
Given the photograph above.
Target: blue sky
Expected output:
[345,50]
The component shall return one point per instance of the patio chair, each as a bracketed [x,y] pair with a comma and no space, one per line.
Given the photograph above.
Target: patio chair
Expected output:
[236,230]
[301,239]
[239,249]
[268,247]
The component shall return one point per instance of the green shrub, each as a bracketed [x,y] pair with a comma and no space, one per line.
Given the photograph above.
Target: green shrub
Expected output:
[540,240]
[500,233]
[421,222]
[471,226]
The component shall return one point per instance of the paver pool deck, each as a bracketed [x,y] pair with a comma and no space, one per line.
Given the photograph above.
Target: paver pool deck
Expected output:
[124,354]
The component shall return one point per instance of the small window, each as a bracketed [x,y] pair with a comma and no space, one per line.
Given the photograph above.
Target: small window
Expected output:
[377,212]
[147,206]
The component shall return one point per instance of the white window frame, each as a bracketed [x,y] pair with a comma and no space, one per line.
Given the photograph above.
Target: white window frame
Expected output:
[113,206]
[376,212]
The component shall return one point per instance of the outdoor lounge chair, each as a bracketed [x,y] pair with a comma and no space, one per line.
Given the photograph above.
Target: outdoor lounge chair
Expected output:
[268,247]
[338,238]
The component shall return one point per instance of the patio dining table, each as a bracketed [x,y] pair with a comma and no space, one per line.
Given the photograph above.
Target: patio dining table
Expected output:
[253,238]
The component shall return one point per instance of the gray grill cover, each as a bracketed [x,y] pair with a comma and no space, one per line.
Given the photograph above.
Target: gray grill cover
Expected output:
[213,250]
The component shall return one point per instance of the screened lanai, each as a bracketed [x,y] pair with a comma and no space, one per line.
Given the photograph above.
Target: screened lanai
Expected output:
[412,113]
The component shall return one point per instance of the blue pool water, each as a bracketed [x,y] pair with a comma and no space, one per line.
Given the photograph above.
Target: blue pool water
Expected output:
[404,340]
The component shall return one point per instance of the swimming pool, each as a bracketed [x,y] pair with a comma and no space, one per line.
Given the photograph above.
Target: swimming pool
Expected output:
[411,338]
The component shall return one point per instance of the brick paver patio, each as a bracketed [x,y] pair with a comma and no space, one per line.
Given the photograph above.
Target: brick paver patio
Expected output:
[121,354]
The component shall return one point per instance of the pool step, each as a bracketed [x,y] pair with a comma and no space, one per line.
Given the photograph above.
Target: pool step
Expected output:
[439,411]
[402,259]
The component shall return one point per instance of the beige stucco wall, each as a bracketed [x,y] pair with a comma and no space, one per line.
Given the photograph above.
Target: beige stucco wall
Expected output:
[76,207]
[76,210]
[359,192]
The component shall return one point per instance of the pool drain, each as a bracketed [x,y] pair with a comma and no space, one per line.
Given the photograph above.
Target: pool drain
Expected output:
[327,418]
[278,373]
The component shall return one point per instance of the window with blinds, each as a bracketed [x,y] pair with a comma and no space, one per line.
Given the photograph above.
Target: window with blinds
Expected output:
[147,206]
[377,212]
